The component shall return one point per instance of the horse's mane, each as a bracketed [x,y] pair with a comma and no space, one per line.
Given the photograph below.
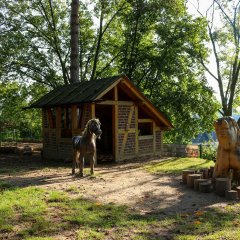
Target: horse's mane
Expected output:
[86,129]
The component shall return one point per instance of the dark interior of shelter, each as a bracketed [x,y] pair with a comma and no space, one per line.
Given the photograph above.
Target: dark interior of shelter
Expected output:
[105,144]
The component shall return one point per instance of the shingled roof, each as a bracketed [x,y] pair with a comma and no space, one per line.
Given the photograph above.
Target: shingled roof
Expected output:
[91,91]
[82,92]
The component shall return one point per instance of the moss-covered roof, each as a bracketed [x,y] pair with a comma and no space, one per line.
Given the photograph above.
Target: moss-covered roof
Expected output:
[81,92]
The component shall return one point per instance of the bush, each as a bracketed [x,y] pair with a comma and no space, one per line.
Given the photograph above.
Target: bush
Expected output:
[209,151]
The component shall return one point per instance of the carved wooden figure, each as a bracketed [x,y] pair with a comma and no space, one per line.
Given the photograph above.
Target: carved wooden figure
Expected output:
[228,153]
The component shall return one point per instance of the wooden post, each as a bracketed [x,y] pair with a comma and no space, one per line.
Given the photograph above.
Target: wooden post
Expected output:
[232,195]
[205,173]
[74,117]
[136,133]
[200,150]
[210,172]
[222,185]
[185,174]
[116,124]
[58,127]
[154,138]
[92,110]
[197,182]
[191,178]
[238,191]
[205,187]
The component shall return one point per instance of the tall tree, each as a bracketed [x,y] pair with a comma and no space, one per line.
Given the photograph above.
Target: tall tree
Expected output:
[74,65]
[224,32]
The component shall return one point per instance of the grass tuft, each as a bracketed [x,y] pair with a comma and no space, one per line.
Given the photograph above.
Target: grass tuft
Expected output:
[176,165]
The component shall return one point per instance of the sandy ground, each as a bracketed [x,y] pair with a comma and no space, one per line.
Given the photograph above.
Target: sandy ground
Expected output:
[126,183]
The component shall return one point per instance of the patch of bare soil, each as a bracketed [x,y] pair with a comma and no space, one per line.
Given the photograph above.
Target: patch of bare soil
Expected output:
[126,183]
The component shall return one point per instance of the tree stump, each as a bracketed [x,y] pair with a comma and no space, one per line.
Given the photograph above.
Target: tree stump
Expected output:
[204,172]
[197,182]
[205,187]
[191,178]
[210,172]
[222,186]
[185,174]
[238,191]
[232,195]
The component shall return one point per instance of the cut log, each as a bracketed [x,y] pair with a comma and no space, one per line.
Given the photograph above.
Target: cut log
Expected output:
[204,172]
[197,182]
[210,172]
[205,187]
[222,186]
[191,178]
[185,173]
[232,195]
[238,191]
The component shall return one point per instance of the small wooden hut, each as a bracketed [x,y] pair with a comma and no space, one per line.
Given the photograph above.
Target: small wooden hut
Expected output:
[131,125]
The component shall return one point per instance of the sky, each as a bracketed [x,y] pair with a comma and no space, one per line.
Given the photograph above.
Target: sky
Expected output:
[203,6]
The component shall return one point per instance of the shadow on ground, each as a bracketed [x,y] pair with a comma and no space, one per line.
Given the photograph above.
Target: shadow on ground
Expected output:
[159,197]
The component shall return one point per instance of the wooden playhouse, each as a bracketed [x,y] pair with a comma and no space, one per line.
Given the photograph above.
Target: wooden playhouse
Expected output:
[131,125]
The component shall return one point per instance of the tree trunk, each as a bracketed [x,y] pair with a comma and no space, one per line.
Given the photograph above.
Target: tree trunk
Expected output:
[74,68]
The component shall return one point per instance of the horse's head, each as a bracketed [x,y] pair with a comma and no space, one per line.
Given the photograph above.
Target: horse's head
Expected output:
[227,132]
[94,126]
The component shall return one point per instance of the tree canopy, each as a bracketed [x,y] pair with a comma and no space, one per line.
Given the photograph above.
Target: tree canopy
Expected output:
[155,43]
[222,18]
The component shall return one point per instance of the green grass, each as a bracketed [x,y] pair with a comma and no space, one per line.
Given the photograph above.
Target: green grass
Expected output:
[35,213]
[38,214]
[212,224]
[176,165]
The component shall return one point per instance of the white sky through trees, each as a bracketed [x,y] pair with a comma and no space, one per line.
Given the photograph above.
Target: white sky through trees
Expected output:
[202,6]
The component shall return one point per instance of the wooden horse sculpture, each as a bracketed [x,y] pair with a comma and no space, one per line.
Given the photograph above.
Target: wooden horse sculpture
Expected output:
[86,144]
[228,153]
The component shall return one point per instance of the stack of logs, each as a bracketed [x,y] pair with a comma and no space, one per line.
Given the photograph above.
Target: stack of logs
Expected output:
[202,181]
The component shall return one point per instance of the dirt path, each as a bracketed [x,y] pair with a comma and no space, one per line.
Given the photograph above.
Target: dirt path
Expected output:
[127,184]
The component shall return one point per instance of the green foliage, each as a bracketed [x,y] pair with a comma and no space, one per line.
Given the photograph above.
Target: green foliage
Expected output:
[24,123]
[209,151]
[155,43]
[176,165]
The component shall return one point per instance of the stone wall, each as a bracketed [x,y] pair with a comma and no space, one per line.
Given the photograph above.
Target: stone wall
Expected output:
[180,150]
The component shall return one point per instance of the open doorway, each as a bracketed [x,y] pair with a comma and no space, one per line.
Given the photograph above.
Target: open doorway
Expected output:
[105,144]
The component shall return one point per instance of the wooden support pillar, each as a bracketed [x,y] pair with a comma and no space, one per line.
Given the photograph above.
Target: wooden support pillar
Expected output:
[58,127]
[92,110]
[74,116]
[115,123]
[154,138]
[161,142]
[136,133]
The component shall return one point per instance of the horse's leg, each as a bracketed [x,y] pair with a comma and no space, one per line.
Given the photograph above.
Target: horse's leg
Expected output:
[81,163]
[74,161]
[92,161]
